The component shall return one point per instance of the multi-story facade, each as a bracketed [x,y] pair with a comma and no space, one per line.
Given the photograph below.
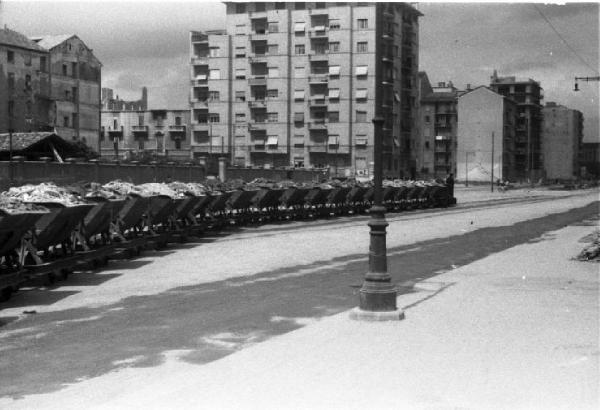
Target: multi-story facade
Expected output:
[528,95]
[24,84]
[436,148]
[297,84]
[149,133]
[110,102]
[75,75]
[589,159]
[562,135]
[486,135]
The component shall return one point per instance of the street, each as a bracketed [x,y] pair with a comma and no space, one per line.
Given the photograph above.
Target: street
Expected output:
[236,288]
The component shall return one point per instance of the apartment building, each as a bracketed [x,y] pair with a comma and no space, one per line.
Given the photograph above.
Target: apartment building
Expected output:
[436,147]
[486,136]
[148,134]
[528,95]
[24,84]
[297,84]
[562,135]
[75,87]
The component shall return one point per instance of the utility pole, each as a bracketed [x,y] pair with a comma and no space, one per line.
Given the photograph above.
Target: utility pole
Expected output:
[492,181]
[466,168]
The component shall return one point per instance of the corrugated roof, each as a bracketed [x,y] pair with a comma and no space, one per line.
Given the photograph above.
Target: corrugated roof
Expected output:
[14,38]
[50,41]
[22,140]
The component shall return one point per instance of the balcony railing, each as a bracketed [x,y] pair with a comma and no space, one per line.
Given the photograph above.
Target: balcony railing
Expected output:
[321,32]
[257,104]
[317,148]
[257,81]
[255,125]
[197,60]
[318,79]
[317,125]
[177,128]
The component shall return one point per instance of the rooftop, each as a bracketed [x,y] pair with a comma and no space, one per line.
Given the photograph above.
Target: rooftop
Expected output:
[50,41]
[13,38]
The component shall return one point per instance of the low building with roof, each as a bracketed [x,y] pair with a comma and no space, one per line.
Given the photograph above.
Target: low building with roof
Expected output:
[34,146]
[24,84]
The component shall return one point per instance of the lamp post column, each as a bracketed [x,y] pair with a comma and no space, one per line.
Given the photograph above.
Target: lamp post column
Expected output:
[378,294]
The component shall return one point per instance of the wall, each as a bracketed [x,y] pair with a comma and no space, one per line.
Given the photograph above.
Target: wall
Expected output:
[37,172]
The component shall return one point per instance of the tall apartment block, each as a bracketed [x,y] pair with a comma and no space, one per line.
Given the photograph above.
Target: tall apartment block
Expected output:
[24,84]
[528,95]
[486,136]
[436,147]
[75,88]
[562,135]
[297,84]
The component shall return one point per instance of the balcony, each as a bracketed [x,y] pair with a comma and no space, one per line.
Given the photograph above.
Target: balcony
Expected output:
[318,12]
[115,134]
[317,101]
[198,104]
[199,38]
[259,80]
[257,104]
[318,79]
[257,125]
[317,125]
[200,60]
[254,58]
[317,148]
[177,128]
[318,55]
[318,32]
[258,36]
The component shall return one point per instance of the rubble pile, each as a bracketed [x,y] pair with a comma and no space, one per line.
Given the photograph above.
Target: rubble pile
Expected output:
[45,193]
[592,251]
[10,205]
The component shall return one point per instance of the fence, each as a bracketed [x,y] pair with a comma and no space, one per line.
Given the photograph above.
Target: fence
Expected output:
[34,172]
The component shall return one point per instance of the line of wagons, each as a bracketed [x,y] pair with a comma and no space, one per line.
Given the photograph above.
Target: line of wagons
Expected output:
[50,242]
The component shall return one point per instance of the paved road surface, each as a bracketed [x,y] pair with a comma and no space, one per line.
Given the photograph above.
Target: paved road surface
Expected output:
[41,352]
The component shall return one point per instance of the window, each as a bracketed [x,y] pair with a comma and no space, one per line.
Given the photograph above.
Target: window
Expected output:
[140,120]
[299,161]
[214,52]
[333,139]
[11,108]
[299,26]
[272,93]
[240,117]
[273,49]
[426,144]
[10,56]
[361,140]
[43,64]
[334,47]
[362,47]
[240,29]
[363,24]
[259,6]
[272,140]
[333,116]
[334,70]
[27,82]
[427,118]
[272,117]
[240,96]
[240,8]
[65,121]
[334,24]
[334,93]
[141,144]
[74,70]
[362,70]
[215,74]
[320,5]
[68,95]
[240,73]
[273,27]
[273,72]
[280,5]
[361,116]
[299,95]
[177,143]
[299,6]
[298,72]
[213,96]
[75,93]
[27,59]
[212,117]
[299,49]
[115,124]
[298,117]
[240,52]
[361,94]
[11,81]
[64,69]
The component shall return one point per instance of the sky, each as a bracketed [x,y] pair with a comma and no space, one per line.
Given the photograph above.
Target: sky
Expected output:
[143,43]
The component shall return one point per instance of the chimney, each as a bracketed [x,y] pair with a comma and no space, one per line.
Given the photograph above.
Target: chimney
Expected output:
[494,77]
[441,84]
[468,87]
[144,98]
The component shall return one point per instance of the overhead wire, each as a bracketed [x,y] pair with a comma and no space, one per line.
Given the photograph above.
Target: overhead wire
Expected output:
[563,39]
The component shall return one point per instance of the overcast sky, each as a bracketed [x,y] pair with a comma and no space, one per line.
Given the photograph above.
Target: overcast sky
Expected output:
[147,44]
